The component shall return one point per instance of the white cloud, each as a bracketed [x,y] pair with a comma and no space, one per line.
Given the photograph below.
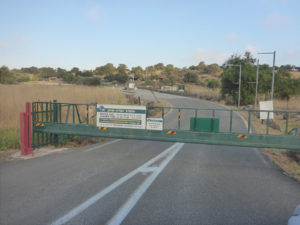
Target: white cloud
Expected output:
[1,44]
[14,41]
[277,20]
[252,49]
[231,37]
[291,56]
[95,13]
[210,56]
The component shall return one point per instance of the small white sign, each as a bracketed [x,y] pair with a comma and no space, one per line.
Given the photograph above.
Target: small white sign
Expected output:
[121,116]
[154,124]
[266,105]
[131,85]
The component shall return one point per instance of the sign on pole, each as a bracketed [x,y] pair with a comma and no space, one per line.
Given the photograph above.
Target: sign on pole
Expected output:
[266,105]
[154,124]
[121,116]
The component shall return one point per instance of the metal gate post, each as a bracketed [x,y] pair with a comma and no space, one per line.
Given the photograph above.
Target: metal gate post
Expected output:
[25,131]
[55,119]
[22,133]
[29,138]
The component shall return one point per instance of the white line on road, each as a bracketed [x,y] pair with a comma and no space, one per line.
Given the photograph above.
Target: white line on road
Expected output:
[138,193]
[77,210]
[100,146]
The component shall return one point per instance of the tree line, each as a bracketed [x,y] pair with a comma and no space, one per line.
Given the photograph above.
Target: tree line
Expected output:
[168,74]
[224,77]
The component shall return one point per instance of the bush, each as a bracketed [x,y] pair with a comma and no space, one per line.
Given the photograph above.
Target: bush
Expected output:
[213,83]
[22,78]
[84,74]
[190,77]
[68,77]
[91,81]
[121,77]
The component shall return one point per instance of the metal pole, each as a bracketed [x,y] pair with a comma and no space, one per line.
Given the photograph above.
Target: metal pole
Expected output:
[256,83]
[239,101]
[273,76]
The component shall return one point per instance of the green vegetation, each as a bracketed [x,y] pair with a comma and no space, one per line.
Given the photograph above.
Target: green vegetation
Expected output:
[12,76]
[190,77]
[213,83]
[284,86]
[221,79]
[9,139]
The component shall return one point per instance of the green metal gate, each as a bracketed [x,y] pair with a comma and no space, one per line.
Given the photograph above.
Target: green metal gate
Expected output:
[53,121]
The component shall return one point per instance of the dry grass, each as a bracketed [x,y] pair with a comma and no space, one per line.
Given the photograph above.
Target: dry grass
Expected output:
[205,77]
[13,98]
[292,104]
[295,75]
[289,166]
[203,92]
[278,156]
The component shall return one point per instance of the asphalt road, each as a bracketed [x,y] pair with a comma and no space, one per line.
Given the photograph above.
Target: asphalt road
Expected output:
[144,182]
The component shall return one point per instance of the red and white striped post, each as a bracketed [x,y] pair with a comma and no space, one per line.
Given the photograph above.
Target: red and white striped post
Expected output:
[25,131]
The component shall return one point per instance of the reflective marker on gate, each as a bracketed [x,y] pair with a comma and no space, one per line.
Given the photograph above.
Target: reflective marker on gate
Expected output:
[103,128]
[170,132]
[241,136]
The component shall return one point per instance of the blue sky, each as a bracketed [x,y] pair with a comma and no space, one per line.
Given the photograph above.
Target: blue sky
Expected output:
[87,34]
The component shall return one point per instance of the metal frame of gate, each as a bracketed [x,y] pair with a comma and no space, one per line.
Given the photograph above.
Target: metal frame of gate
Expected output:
[53,121]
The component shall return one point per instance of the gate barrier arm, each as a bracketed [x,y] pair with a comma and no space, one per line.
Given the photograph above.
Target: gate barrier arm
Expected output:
[63,119]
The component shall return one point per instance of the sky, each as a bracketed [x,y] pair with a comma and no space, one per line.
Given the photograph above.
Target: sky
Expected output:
[87,34]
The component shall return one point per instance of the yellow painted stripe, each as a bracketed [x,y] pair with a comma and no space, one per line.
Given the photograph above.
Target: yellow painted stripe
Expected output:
[100,146]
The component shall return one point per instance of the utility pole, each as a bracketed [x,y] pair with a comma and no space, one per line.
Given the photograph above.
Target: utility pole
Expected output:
[273,76]
[256,89]
[240,81]
[273,71]
[240,85]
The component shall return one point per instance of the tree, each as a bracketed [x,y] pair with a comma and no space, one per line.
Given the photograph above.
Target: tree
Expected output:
[212,69]
[138,72]
[46,72]
[6,77]
[110,77]
[121,77]
[60,72]
[190,77]
[31,70]
[168,70]
[150,71]
[68,77]
[105,70]
[74,70]
[170,80]
[238,59]
[230,79]
[84,73]
[201,67]
[122,69]
[159,66]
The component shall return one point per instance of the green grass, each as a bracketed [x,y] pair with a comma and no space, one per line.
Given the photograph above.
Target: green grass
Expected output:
[9,139]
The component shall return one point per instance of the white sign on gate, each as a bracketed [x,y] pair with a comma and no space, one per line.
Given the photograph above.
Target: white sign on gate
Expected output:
[154,124]
[121,116]
[266,105]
